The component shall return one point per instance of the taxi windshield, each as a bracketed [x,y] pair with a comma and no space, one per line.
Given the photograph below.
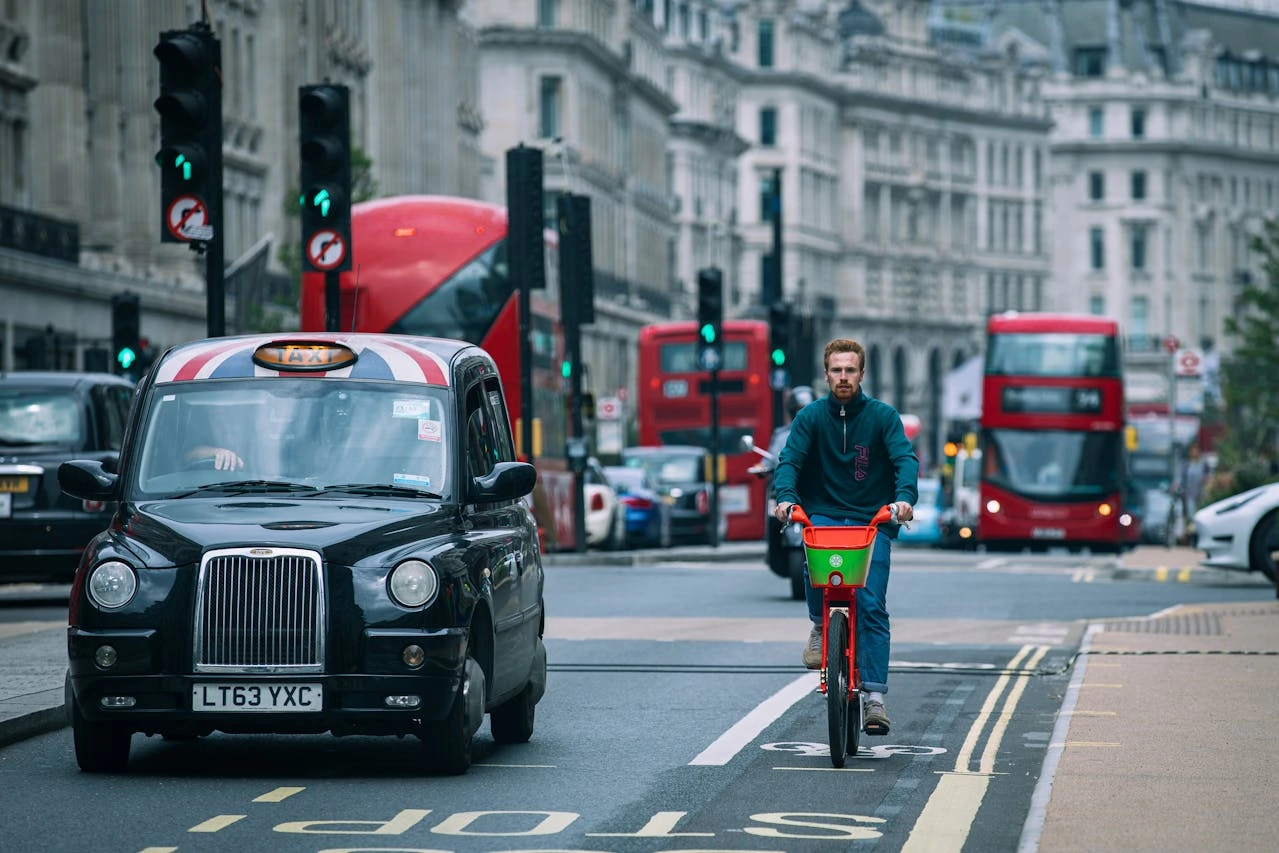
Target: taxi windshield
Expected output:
[292,434]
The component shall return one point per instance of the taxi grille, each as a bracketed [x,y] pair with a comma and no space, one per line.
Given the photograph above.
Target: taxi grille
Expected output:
[259,612]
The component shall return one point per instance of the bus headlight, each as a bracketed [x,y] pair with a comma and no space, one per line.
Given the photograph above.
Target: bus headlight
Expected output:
[1125,520]
[1104,510]
[992,506]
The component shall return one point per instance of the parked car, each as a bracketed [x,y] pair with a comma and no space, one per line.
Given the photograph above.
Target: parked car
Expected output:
[1241,531]
[605,517]
[648,517]
[46,418]
[321,532]
[925,527]
[681,475]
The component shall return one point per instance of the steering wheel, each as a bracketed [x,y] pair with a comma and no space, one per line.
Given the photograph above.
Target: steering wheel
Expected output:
[203,463]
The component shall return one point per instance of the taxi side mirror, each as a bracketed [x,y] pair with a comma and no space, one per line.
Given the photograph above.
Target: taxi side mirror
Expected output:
[507,481]
[88,480]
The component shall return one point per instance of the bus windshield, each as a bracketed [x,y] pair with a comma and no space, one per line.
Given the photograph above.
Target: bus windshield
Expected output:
[1053,464]
[1052,354]
[465,305]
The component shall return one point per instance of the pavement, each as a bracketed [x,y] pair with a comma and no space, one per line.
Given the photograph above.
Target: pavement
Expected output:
[1165,740]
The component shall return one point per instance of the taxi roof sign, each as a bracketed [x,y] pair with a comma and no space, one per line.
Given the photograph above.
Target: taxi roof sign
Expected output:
[304,356]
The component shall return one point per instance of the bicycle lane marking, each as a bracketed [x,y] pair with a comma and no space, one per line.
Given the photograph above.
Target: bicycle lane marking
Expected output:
[947,817]
[761,717]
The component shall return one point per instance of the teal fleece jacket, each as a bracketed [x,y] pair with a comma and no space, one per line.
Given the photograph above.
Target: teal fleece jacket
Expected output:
[847,460]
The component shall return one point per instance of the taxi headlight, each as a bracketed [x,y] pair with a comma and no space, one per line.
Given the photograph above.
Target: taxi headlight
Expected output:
[413,583]
[112,585]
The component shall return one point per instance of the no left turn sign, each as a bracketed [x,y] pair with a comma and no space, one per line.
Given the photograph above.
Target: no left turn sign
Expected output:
[326,250]
[188,219]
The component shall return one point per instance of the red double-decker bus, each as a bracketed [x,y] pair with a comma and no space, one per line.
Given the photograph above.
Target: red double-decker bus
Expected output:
[1052,433]
[437,266]
[675,407]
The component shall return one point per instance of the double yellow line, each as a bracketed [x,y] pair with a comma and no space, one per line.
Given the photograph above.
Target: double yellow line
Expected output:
[948,816]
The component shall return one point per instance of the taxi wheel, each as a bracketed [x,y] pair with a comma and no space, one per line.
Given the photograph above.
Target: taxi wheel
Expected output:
[446,744]
[99,747]
[512,721]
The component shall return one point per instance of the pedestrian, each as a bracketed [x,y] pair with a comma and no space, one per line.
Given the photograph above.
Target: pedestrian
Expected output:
[847,455]
[1194,476]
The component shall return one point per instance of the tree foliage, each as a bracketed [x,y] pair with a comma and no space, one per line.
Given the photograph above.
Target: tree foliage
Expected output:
[1250,376]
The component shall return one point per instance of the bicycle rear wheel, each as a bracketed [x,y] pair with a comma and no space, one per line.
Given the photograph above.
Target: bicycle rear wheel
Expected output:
[837,686]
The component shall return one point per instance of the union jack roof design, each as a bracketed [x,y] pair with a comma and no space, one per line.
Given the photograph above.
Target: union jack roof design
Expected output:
[399,358]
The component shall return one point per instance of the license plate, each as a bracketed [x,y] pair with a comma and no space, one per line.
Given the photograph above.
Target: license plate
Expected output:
[1048,533]
[258,698]
[14,484]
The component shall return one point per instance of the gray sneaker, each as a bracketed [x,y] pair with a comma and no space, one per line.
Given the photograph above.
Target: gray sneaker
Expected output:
[813,651]
[876,719]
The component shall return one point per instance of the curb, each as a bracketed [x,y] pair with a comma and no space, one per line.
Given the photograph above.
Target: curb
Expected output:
[48,715]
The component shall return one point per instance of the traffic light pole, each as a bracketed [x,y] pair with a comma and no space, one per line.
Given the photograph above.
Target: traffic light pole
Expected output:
[333,302]
[214,260]
[714,448]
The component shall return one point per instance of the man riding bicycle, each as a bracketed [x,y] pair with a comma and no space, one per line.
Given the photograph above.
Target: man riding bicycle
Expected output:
[847,455]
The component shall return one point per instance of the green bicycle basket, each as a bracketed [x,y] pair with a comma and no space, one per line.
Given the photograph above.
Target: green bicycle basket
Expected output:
[839,556]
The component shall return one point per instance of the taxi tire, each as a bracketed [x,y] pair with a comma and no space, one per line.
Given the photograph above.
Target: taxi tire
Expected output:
[99,747]
[512,721]
[446,743]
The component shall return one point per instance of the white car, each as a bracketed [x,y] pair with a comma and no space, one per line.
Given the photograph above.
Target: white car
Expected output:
[1241,531]
[605,515]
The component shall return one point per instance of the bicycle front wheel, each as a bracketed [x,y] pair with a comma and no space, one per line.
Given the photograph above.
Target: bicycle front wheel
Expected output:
[837,686]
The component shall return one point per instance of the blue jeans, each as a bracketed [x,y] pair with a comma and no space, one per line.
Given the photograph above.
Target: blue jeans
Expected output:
[872,610]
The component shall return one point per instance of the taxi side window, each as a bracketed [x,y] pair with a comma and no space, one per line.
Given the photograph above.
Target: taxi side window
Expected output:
[479,434]
[503,443]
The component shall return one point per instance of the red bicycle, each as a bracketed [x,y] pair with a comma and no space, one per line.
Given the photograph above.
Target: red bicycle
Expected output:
[838,562]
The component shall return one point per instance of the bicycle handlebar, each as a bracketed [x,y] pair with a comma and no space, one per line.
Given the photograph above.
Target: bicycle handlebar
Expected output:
[887,512]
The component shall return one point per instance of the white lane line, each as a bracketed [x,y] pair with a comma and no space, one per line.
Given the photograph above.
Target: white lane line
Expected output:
[278,795]
[761,717]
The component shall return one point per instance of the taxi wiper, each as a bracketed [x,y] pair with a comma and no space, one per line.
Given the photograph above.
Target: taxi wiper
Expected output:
[242,487]
[383,489]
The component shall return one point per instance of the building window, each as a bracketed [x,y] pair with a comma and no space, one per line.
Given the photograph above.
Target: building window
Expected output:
[1138,123]
[548,117]
[1097,248]
[1096,186]
[1090,62]
[1097,305]
[1139,317]
[765,32]
[1139,247]
[768,126]
[1095,124]
[1138,185]
[546,13]
[767,199]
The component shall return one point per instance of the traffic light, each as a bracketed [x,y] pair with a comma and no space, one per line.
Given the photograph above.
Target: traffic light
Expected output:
[577,277]
[525,243]
[190,157]
[125,330]
[325,146]
[710,312]
[779,333]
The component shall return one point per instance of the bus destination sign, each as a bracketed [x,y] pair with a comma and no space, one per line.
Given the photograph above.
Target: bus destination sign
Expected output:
[1059,400]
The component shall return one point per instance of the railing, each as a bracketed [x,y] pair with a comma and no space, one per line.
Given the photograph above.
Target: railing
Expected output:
[39,235]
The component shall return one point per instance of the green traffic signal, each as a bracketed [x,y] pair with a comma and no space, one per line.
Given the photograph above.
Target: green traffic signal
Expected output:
[126,357]
[708,333]
[566,368]
[322,200]
[779,357]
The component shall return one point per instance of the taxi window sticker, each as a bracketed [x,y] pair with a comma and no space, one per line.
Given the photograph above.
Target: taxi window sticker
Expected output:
[414,481]
[410,408]
[429,430]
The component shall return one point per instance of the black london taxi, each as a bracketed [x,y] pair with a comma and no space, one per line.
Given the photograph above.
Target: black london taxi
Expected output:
[315,533]
[46,418]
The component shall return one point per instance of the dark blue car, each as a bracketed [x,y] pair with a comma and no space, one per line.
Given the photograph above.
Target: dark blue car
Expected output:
[648,517]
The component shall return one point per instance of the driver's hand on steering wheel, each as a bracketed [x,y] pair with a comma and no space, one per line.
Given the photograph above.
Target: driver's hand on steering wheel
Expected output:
[223,458]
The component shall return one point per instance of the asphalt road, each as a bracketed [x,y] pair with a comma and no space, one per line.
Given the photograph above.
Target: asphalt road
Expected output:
[676,717]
